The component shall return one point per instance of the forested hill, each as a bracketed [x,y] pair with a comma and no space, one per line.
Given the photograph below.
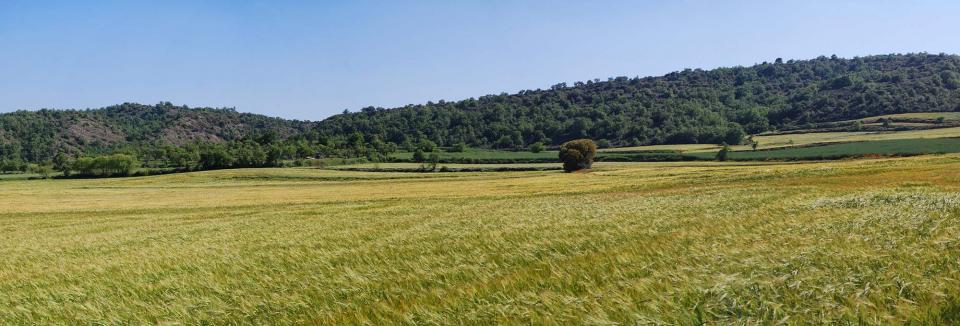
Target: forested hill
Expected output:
[35,136]
[691,106]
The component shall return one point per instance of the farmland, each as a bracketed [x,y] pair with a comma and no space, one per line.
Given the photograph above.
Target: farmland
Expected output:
[871,241]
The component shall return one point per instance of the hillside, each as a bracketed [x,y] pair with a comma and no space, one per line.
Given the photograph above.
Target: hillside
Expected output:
[690,106]
[37,135]
[686,107]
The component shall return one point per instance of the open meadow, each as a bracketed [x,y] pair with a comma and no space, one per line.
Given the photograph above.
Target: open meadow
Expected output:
[858,241]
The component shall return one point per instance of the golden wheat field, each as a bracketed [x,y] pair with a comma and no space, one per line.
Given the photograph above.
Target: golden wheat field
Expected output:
[862,241]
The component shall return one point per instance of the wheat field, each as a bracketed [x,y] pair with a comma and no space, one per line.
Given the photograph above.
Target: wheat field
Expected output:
[861,241]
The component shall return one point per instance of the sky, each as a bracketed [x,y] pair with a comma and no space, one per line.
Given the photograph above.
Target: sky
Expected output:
[309,60]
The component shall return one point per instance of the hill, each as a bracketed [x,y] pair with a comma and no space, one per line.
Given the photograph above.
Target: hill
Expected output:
[36,136]
[685,107]
[690,106]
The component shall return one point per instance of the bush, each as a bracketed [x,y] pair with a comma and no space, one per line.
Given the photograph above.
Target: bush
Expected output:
[603,143]
[418,156]
[536,147]
[722,154]
[427,145]
[577,154]
[459,147]
[104,166]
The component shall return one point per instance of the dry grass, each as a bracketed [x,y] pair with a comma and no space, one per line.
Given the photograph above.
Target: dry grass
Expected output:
[870,241]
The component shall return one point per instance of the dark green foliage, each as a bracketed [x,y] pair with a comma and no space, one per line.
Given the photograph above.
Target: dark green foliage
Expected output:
[691,106]
[459,147]
[62,164]
[536,147]
[10,166]
[418,156]
[434,160]
[734,136]
[37,136]
[427,146]
[577,154]
[722,154]
[603,143]
[107,165]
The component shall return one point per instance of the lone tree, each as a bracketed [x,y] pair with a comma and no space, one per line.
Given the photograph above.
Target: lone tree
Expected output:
[577,154]
[722,154]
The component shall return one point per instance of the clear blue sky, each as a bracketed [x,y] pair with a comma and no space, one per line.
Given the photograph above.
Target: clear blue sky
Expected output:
[312,59]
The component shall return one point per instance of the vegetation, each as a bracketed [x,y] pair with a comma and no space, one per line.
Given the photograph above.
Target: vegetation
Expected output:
[537,147]
[723,153]
[687,107]
[577,154]
[691,106]
[897,147]
[850,242]
[110,165]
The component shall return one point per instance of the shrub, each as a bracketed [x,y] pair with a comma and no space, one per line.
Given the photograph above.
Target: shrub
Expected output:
[603,143]
[418,156]
[722,154]
[459,147]
[427,146]
[577,154]
[536,147]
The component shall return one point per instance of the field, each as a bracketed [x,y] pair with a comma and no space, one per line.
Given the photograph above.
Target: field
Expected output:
[835,137]
[948,116]
[864,241]
[896,147]
[487,155]
[802,139]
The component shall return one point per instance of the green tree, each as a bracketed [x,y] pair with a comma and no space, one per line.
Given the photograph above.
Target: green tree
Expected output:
[459,147]
[418,156]
[434,160]
[577,154]
[734,135]
[536,147]
[62,164]
[722,154]
[603,143]
[427,146]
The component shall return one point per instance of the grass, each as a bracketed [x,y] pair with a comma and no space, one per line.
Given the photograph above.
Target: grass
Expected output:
[810,138]
[18,176]
[678,148]
[866,241]
[895,147]
[947,116]
[788,140]
[482,155]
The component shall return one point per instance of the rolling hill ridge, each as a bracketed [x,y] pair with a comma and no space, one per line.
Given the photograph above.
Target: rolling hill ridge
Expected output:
[689,106]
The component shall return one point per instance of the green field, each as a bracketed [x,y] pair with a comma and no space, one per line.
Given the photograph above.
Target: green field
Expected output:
[948,116]
[897,147]
[482,155]
[866,241]
[810,138]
